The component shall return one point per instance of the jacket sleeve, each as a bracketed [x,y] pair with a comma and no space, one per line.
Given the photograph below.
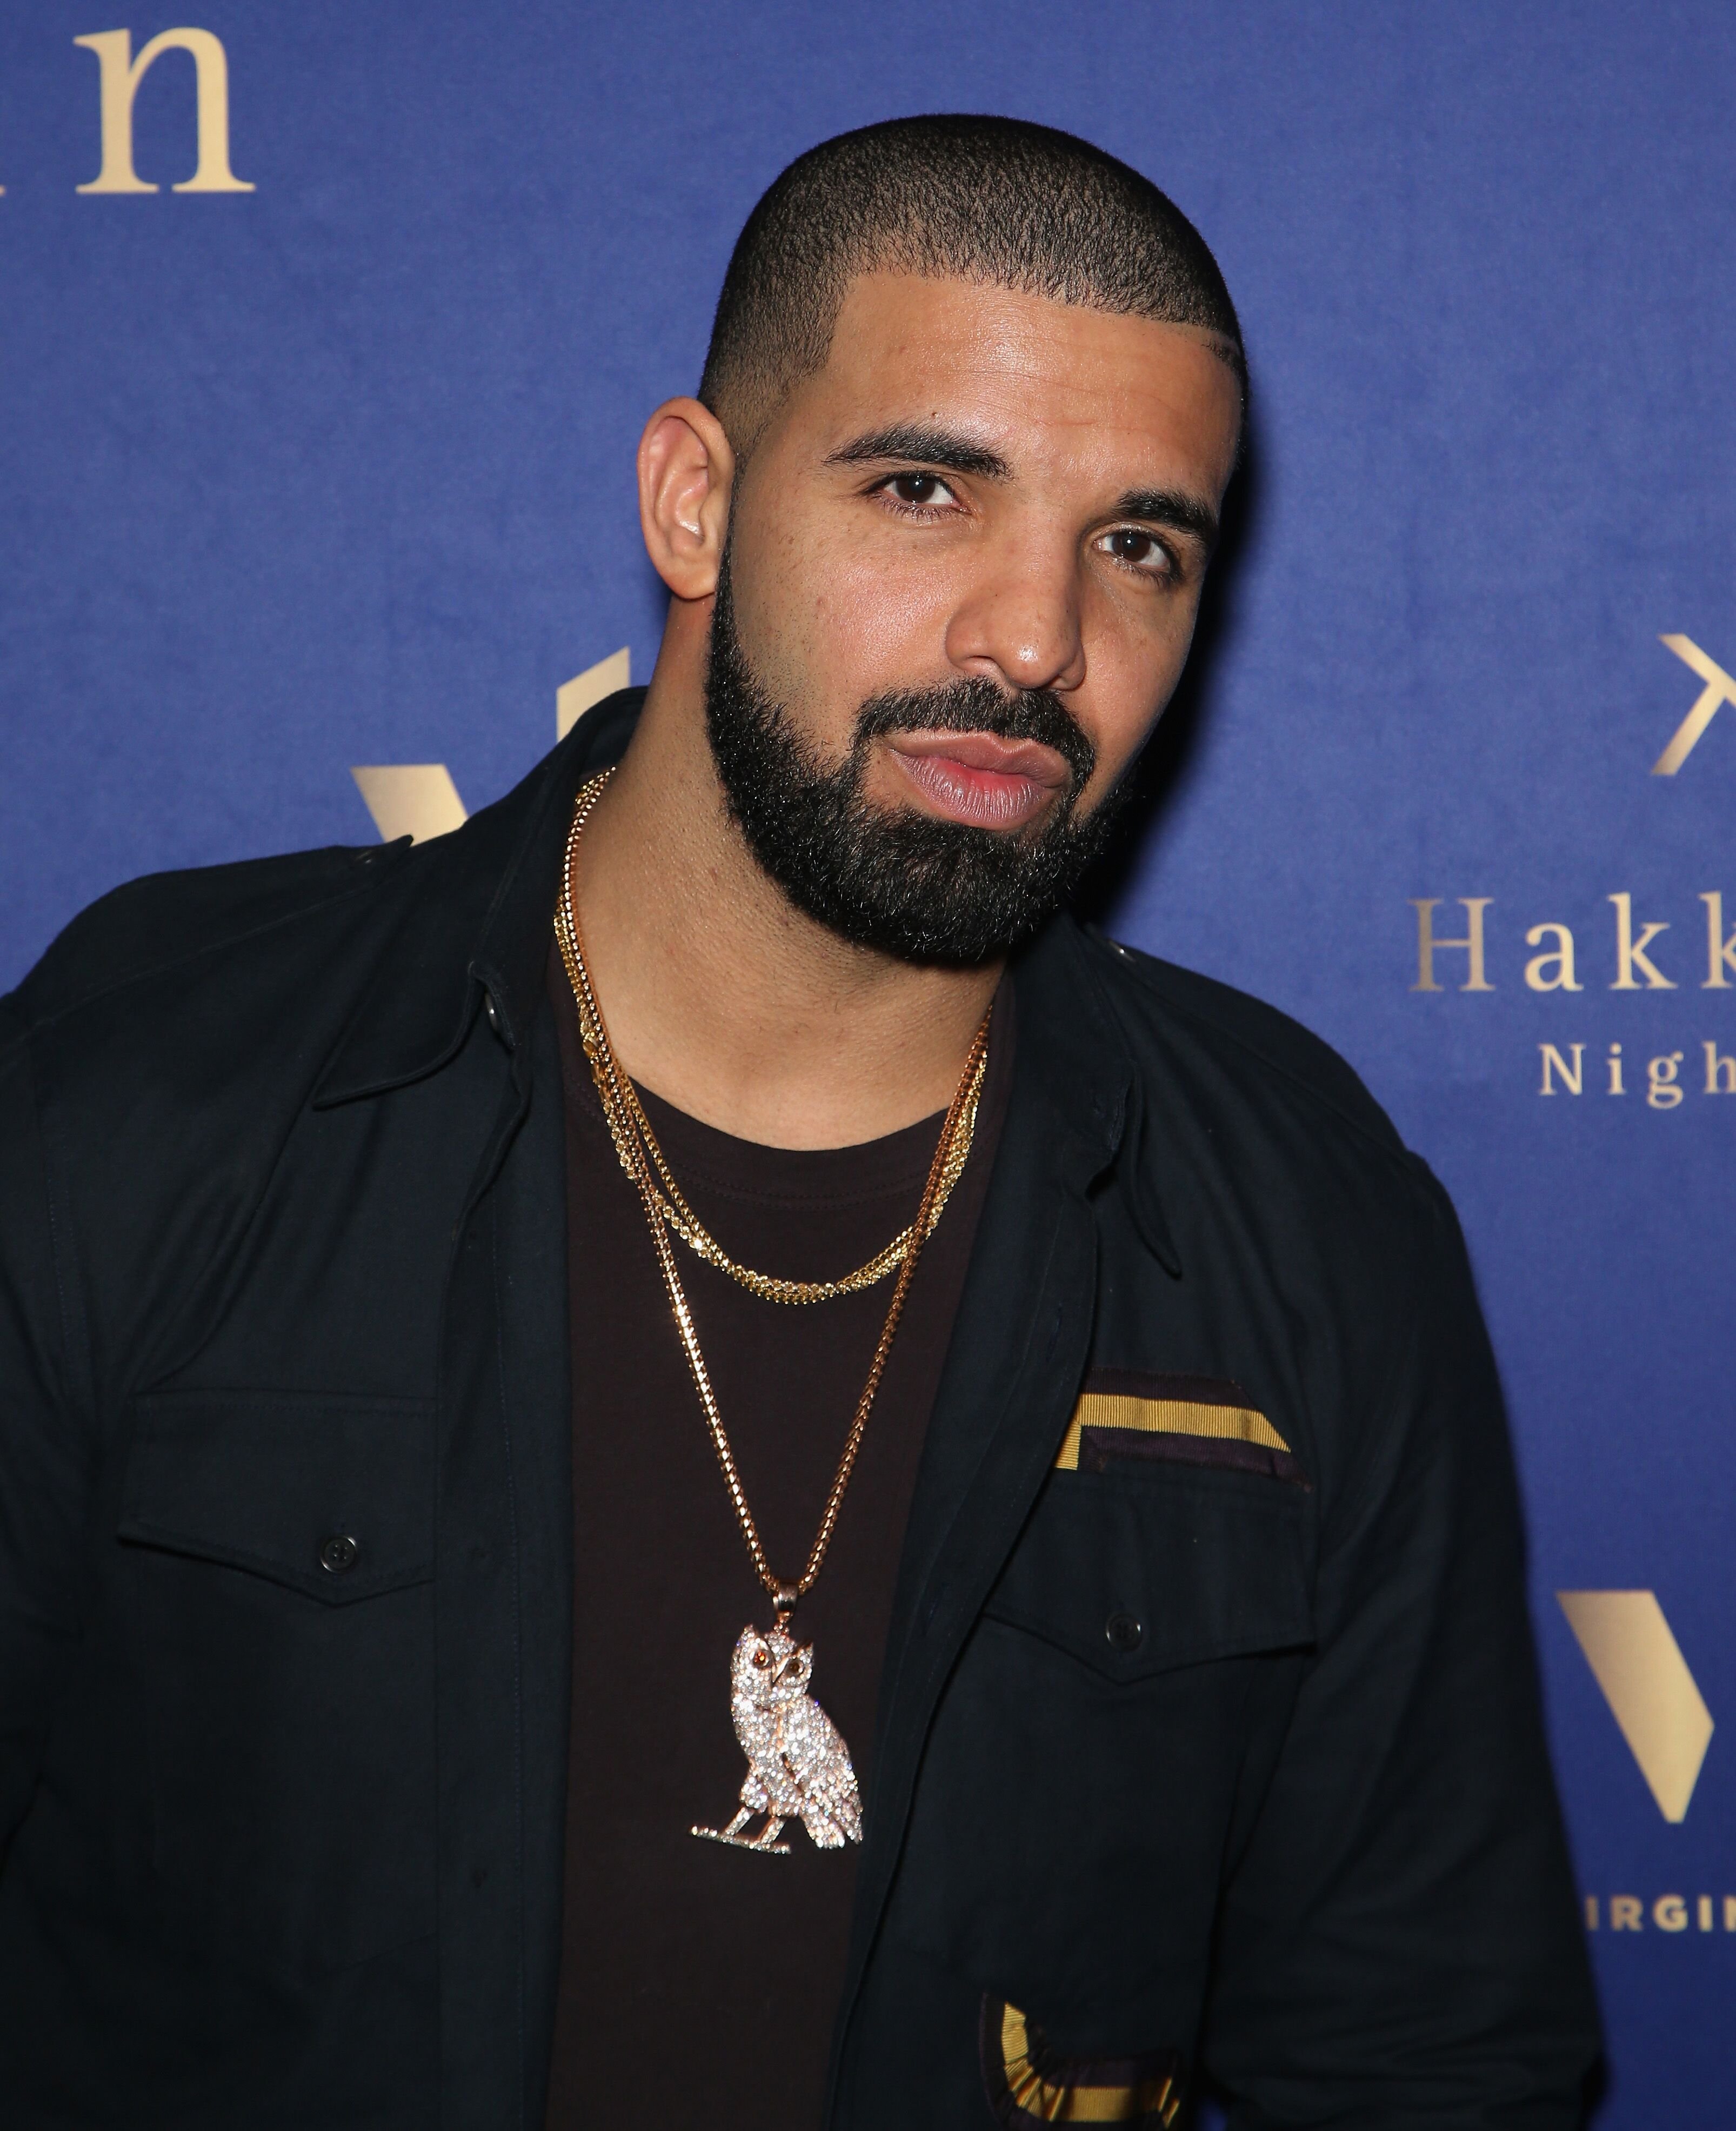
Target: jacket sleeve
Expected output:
[44,1453]
[1400,1948]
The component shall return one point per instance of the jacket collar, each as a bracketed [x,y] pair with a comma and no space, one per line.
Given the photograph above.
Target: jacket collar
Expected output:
[481,903]
[1072,1047]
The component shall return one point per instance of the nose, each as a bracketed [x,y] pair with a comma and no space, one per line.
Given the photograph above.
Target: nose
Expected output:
[1018,622]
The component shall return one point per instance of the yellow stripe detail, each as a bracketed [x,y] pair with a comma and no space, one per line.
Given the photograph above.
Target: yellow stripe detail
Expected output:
[1227,1423]
[1075,2104]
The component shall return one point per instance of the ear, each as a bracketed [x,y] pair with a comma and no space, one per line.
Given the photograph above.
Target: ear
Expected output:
[686,468]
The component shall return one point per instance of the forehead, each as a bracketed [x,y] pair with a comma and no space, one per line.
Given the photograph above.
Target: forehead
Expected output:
[1045,383]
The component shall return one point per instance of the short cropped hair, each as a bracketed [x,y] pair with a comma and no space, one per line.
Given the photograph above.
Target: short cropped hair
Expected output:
[976,198]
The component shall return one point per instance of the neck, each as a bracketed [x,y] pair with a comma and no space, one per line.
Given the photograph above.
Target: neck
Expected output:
[722,997]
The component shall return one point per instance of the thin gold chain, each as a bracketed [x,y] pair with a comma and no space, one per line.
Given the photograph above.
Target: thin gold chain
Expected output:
[613,1088]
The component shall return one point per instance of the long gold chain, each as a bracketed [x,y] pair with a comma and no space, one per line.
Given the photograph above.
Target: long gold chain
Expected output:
[614,1090]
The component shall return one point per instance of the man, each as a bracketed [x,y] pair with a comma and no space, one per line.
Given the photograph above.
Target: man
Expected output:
[809,1495]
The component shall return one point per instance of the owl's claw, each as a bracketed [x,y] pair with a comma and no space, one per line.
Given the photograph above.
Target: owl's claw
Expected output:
[766,1841]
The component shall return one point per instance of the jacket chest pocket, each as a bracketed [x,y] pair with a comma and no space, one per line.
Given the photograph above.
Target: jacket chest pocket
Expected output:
[1135,1571]
[1134,1663]
[279,1630]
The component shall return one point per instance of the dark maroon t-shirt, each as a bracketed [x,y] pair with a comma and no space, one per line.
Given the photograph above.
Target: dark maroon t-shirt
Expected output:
[700,1983]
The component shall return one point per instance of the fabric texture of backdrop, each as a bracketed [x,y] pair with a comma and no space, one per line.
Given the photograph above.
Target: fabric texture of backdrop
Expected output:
[333,472]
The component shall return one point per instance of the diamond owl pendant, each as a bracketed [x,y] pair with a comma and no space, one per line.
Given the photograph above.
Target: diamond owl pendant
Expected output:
[798,1766]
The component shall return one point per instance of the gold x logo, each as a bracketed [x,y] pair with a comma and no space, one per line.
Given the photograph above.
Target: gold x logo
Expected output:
[1719,689]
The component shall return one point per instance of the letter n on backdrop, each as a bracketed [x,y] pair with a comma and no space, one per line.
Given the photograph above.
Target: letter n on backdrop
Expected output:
[121,75]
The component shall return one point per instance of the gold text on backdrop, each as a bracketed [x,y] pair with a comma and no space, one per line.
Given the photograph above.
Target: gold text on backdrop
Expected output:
[121,75]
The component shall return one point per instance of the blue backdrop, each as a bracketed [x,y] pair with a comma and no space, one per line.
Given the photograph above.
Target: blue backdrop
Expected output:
[336,472]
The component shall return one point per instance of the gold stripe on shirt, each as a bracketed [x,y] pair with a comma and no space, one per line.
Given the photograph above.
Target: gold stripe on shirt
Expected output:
[1233,1424]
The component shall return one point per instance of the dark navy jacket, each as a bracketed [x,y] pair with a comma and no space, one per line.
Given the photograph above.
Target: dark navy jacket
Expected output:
[1189,1756]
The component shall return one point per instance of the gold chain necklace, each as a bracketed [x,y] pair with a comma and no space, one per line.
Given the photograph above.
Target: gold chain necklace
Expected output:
[630,1128]
[797,1765]
[678,1217]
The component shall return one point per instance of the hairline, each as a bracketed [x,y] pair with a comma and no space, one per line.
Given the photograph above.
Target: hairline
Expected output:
[778,393]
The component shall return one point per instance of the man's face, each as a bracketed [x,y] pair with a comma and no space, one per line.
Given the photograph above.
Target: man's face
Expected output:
[964,567]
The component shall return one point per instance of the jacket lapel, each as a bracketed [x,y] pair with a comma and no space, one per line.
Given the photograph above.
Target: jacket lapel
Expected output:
[1018,1353]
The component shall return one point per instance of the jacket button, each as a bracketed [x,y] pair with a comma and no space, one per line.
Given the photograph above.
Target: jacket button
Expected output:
[1125,1632]
[338,1552]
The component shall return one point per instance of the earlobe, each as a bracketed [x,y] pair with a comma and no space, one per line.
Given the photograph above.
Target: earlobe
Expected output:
[686,468]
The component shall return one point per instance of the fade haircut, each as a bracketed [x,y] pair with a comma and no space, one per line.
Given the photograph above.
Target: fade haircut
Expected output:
[962,197]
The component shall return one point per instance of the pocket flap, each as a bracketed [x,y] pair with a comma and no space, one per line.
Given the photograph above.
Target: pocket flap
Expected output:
[1184,1420]
[334,1497]
[1137,1572]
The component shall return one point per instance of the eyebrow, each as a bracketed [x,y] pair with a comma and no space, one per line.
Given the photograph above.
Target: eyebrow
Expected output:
[1170,506]
[933,447]
[958,454]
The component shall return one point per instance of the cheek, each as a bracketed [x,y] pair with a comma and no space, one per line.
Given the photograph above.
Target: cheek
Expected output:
[861,616]
[891,610]
[1133,661]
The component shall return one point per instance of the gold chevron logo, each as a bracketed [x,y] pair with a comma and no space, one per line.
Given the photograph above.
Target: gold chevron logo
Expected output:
[1652,1695]
[414,799]
[1720,689]
[418,799]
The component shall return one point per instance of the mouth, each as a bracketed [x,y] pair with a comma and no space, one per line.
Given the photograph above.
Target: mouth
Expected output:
[979,778]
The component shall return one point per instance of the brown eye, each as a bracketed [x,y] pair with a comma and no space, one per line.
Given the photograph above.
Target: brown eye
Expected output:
[761,1659]
[1128,545]
[917,489]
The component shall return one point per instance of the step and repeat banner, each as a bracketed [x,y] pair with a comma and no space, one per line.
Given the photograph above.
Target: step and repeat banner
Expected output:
[329,331]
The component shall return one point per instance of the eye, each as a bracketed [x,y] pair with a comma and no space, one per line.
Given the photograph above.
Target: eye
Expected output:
[761,1659]
[923,493]
[1138,550]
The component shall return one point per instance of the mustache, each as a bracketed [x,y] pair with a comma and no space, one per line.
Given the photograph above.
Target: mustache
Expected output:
[975,704]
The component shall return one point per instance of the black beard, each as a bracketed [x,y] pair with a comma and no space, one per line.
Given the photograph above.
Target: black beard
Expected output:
[905,883]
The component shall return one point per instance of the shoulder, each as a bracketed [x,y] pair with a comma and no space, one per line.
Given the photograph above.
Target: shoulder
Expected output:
[165,927]
[153,1062]
[1213,1022]
[1266,1095]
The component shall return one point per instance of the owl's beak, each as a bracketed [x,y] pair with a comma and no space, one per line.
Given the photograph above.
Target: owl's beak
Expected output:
[778,1676]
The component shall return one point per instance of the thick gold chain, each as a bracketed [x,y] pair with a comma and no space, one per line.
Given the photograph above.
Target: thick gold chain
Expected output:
[637,1149]
[678,1216]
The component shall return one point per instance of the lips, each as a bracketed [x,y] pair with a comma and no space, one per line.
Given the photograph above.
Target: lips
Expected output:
[980,779]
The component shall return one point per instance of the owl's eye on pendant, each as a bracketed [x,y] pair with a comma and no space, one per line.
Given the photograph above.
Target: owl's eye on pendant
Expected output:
[761,1659]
